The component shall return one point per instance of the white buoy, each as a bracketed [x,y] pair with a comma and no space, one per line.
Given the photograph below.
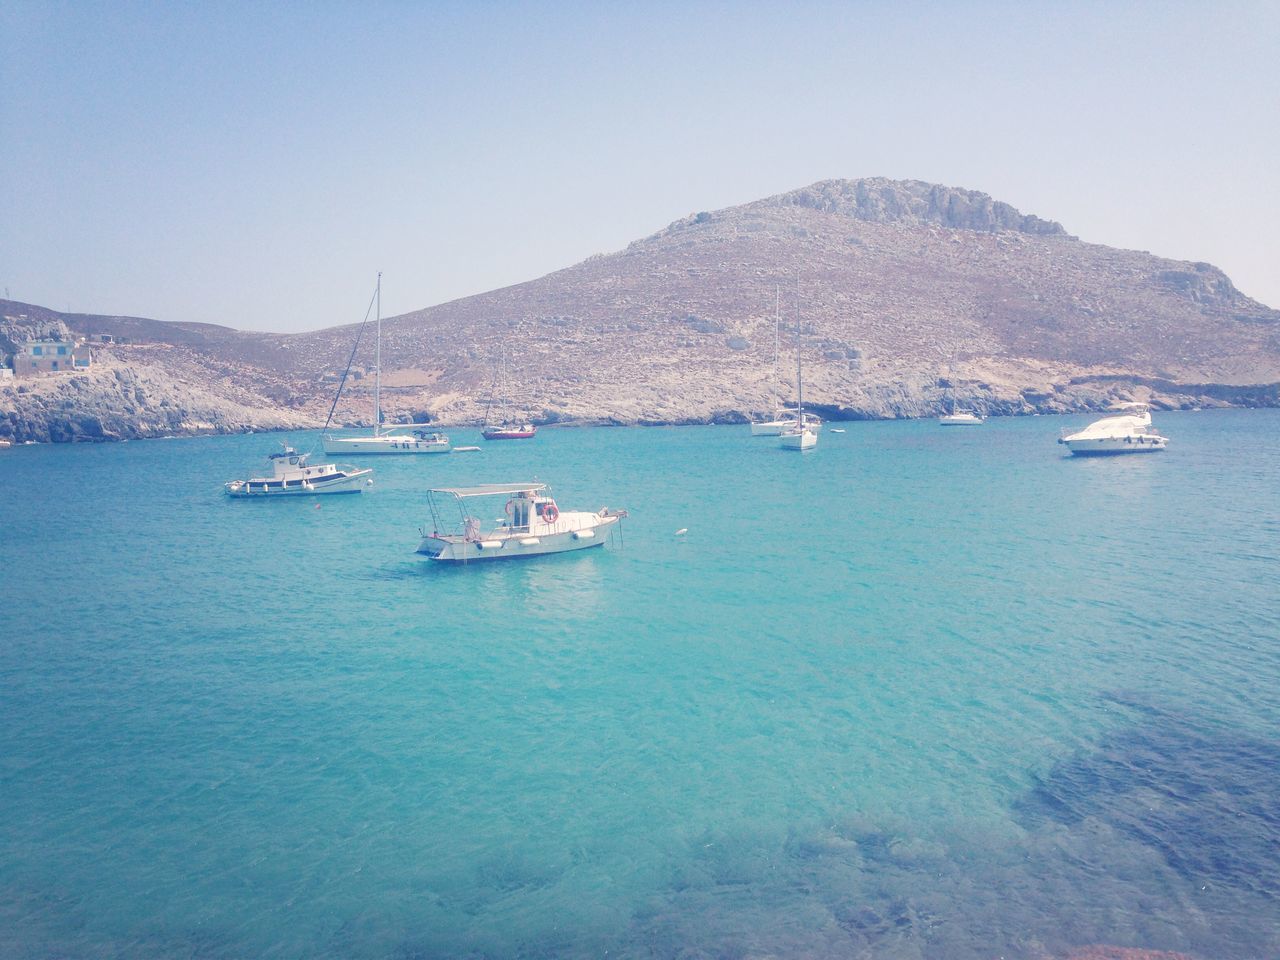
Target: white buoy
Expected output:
[682,531]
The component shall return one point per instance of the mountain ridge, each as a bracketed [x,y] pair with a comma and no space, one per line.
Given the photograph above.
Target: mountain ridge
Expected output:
[909,294]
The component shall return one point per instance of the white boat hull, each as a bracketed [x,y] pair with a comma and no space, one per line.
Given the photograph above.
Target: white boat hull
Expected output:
[505,545]
[1111,446]
[366,446]
[771,428]
[801,440]
[348,483]
[776,428]
[960,420]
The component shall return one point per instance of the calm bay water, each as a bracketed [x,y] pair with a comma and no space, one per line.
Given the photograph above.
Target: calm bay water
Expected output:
[920,693]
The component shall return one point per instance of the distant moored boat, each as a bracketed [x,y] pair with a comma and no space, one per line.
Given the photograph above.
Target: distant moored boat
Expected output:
[504,428]
[417,441]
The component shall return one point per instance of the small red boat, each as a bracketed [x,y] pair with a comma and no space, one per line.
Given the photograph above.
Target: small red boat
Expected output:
[523,431]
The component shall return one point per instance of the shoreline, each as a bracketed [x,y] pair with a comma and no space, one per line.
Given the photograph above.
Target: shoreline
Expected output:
[729,419]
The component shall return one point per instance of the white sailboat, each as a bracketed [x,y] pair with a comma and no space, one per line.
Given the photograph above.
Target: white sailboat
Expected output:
[782,419]
[800,436]
[385,441]
[958,417]
[503,427]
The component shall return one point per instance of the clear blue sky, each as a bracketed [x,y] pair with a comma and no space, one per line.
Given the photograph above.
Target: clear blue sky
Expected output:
[255,164]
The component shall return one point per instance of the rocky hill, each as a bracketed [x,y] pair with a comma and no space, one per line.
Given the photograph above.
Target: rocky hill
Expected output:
[907,294]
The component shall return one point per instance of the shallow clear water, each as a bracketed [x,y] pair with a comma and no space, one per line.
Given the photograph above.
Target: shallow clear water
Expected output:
[921,693]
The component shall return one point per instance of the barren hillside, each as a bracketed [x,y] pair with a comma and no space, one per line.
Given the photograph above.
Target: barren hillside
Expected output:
[906,292]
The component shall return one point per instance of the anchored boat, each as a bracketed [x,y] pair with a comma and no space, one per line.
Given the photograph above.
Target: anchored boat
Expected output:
[292,477]
[417,441]
[783,421]
[503,426]
[800,435]
[960,418]
[534,524]
[1130,431]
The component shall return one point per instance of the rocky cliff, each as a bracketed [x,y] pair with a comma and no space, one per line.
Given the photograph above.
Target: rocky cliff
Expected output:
[907,294]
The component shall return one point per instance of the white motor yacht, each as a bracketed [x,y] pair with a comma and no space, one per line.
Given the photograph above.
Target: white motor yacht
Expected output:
[1128,431]
[293,477]
[534,524]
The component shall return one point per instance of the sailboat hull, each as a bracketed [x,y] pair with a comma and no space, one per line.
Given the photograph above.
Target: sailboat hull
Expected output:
[799,440]
[509,434]
[366,446]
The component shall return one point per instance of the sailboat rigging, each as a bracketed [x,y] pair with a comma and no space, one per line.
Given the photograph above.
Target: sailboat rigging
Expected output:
[782,419]
[382,441]
[503,428]
[801,436]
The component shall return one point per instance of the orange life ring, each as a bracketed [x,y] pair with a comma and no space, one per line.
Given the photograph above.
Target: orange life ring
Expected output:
[550,513]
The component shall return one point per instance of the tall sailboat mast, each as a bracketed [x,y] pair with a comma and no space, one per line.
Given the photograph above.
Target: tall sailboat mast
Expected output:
[377,367]
[777,320]
[799,365]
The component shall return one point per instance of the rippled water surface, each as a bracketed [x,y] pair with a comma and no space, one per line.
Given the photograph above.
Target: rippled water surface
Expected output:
[921,693]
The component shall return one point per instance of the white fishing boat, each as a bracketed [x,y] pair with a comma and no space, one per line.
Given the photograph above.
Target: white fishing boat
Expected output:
[799,436]
[5,444]
[960,418]
[384,440]
[1128,431]
[292,476]
[534,524]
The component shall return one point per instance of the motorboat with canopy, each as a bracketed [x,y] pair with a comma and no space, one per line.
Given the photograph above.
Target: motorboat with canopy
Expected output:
[534,524]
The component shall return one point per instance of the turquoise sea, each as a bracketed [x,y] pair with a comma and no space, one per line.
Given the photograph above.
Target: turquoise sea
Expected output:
[921,693]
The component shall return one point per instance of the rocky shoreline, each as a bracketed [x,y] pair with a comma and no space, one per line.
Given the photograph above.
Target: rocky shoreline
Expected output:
[129,401]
